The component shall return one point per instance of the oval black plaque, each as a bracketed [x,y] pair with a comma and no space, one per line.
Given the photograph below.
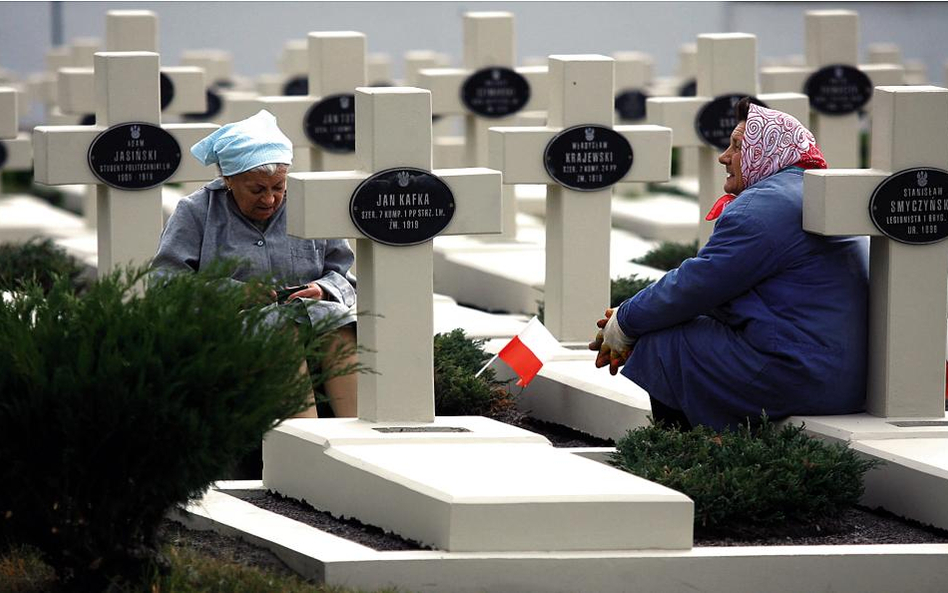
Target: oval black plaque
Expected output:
[3,154]
[689,89]
[716,120]
[214,106]
[330,123]
[911,206]
[134,156]
[403,206]
[495,91]
[630,104]
[298,86]
[167,90]
[587,158]
[838,89]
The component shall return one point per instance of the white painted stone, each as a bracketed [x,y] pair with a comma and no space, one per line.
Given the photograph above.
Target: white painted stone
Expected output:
[576,288]
[24,217]
[378,70]
[907,282]
[832,37]
[218,64]
[884,53]
[497,488]
[488,41]
[478,325]
[16,146]
[336,65]
[727,63]
[658,217]
[393,130]
[129,223]
[633,72]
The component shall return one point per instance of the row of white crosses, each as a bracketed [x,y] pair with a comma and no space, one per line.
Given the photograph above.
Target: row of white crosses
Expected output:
[393,135]
[16,152]
[907,297]
[127,91]
[832,39]
[489,43]
[727,70]
[578,217]
[336,66]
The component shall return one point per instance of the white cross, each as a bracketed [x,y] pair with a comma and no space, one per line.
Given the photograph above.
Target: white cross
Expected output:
[336,67]
[127,90]
[633,78]
[16,153]
[832,37]
[132,30]
[395,282]
[907,295]
[292,64]
[225,102]
[488,41]
[378,70]
[578,223]
[727,65]
[43,86]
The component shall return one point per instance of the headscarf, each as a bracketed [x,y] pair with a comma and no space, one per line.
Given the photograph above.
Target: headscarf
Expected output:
[243,145]
[773,141]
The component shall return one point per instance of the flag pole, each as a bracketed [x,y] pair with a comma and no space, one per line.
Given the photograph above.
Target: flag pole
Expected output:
[484,368]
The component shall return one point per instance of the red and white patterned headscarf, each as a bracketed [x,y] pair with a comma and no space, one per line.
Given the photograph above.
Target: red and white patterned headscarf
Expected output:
[774,140]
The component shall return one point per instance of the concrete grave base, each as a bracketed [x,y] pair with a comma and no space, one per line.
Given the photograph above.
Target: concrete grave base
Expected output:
[24,216]
[492,487]
[448,315]
[326,558]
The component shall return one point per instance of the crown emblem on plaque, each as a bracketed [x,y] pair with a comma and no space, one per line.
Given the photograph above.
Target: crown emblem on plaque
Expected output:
[838,72]
[136,132]
[344,102]
[495,74]
[403,178]
[922,178]
[590,134]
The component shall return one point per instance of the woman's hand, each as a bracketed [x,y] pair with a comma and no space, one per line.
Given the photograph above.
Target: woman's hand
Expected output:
[309,291]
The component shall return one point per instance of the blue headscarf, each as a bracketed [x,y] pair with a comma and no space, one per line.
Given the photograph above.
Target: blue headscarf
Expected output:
[245,144]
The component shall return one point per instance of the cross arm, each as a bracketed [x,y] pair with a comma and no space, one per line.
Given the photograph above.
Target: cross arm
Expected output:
[189,89]
[314,204]
[836,201]
[76,90]
[289,112]
[784,79]
[651,152]
[677,113]
[796,104]
[19,152]
[538,78]
[517,151]
[884,74]
[187,136]
[477,198]
[445,86]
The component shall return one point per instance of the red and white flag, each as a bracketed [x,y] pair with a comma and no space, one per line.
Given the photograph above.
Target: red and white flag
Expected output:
[527,352]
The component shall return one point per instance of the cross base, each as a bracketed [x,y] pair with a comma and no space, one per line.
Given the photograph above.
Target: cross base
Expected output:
[493,487]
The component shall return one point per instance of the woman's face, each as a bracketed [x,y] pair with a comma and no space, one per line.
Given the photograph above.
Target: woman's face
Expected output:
[731,159]
[257,194]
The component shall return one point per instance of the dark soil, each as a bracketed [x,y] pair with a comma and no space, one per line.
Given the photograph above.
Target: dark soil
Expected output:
[350,529]
[562,436]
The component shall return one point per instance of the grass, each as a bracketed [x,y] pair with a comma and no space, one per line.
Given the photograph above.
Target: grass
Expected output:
[22,570]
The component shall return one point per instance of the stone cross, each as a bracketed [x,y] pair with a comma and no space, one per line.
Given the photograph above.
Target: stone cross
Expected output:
[16,153]
[44,86]
[578,218]
[489,41]
[907,294]
[832,38]
[225,102]
[395,281]
[336,68]
[633,79]
[727,66]
[378,70]
[127,92]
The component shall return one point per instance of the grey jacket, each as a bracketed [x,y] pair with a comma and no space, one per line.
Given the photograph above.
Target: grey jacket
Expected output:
[207,225]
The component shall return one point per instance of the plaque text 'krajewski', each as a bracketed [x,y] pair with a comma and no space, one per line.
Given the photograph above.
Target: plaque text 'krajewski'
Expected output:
[717,119]
[330,123]
[402,206]
[495,92]
[911,206]
[134,156]
[588,157]
[838,89]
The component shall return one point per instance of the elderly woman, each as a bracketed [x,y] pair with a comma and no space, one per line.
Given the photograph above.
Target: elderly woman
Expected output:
[766,317]
[242,214]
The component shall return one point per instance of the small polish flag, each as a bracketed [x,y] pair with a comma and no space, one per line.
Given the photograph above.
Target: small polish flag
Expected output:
[526,353]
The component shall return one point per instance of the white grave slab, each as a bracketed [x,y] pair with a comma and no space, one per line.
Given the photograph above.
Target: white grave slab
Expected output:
[727,65]
[457,482]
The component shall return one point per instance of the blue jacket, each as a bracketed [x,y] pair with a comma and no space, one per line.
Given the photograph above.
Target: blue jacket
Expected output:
[766,317]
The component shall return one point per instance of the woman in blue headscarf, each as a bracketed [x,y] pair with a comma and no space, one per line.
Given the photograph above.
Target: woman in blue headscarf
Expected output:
[242,215]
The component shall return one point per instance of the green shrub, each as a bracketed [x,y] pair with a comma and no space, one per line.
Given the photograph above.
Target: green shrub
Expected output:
[40,260]
[668,255]
[627,287]
[458,392]
[750,479]
[116,405]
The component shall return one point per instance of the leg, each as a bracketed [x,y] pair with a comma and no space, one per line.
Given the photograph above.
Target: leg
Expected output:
[311,411]
[342,389]
[669,416]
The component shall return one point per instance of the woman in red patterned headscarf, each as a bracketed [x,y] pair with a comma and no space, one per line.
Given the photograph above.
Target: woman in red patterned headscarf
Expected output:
[767,317]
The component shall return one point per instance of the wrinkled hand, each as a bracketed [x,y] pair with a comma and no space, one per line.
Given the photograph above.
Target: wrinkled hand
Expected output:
[613,346]
[310,291]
